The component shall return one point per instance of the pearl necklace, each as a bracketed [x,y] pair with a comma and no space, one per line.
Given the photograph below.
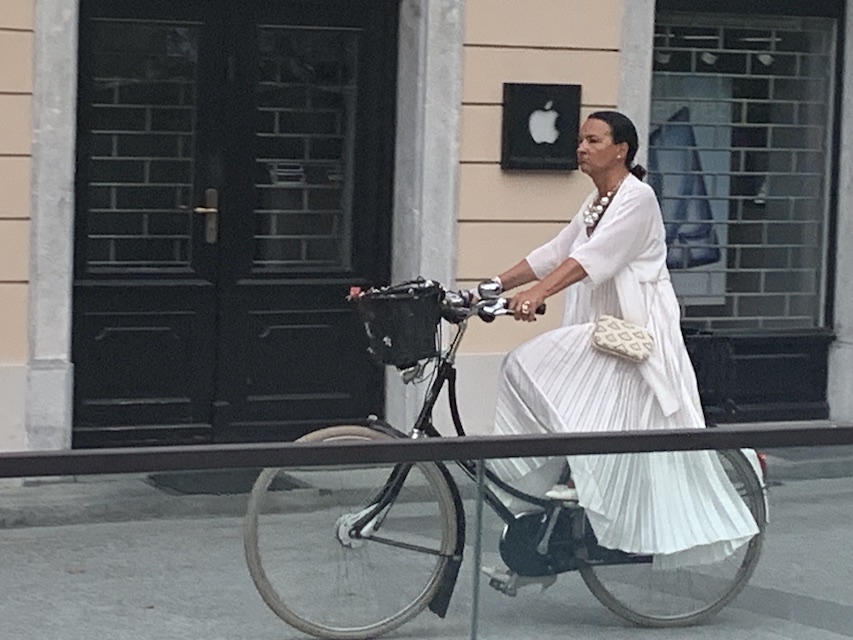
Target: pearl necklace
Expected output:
[596,208]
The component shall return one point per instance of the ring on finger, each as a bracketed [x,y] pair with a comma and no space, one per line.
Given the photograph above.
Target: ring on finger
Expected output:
[525,307]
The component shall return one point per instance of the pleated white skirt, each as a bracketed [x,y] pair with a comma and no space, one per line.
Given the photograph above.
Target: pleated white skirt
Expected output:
[678,506]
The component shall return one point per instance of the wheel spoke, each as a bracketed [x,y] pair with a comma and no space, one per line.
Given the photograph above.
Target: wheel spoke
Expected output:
[407,546]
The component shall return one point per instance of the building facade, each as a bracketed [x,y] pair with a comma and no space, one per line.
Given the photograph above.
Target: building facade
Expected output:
[191,187]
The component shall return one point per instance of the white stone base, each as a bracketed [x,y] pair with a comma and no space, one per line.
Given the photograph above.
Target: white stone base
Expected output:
[49,406]
[839,393]
[13,393]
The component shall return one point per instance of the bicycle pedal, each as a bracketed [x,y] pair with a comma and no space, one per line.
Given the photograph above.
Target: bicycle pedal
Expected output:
[509,582]
[503,586]
[501,580]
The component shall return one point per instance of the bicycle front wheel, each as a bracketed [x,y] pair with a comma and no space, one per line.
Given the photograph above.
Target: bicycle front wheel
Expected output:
[653,597]
[318,578]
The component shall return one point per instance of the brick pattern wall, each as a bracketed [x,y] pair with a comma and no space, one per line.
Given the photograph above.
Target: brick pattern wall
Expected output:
[142,139]
[141,146]
[305,139]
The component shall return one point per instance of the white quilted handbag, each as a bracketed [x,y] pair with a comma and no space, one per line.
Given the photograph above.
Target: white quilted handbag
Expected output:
[622,339]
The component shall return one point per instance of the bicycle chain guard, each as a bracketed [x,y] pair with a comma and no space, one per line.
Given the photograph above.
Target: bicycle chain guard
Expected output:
[521,537]
[565,551]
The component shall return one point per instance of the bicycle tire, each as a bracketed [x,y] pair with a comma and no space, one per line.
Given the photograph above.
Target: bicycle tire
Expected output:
[659,598]
[327,585]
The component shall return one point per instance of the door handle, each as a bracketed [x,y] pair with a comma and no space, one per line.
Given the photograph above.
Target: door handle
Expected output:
[210,211]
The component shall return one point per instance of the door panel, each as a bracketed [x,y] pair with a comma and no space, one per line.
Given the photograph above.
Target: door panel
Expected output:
[294,252]
[192,325]
[144,365]
[144,294]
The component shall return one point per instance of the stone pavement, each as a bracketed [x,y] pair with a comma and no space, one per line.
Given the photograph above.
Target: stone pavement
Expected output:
[167,575]
[171,566]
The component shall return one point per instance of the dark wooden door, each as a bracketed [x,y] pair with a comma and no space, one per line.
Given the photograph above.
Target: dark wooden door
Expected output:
[234,179]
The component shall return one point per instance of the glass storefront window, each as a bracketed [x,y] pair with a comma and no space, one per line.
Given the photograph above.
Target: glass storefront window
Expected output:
[740,155]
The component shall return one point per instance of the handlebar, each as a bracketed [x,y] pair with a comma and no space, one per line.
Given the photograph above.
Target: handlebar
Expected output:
[394,340]
[458,306]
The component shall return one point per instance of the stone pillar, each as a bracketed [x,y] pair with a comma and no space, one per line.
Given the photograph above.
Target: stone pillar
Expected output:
[635,59]
[49,383]
[429,103]
[841,352]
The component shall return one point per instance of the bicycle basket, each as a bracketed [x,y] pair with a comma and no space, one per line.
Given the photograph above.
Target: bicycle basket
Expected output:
[401,321]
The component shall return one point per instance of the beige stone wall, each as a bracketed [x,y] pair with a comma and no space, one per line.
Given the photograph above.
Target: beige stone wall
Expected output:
[16,88]
[503,215]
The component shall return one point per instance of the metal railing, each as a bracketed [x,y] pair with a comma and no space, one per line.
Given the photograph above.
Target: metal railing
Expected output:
[217,456]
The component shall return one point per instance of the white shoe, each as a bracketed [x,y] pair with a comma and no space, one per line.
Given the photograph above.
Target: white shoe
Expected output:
[562,493]
[509,582]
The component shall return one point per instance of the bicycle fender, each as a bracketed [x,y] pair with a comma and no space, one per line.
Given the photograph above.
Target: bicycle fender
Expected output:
[441,600]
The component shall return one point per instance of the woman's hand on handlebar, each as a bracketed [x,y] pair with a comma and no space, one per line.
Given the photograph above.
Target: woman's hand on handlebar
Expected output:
[525,303]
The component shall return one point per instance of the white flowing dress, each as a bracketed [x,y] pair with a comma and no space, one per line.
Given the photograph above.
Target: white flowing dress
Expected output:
[678,506]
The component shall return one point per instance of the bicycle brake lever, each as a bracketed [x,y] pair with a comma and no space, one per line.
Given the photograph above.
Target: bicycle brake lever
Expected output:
[488,312]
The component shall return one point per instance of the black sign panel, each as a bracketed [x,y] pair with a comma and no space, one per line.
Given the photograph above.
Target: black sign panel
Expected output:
[540,126]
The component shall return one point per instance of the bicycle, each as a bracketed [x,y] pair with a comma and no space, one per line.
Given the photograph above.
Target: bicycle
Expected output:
[412,522]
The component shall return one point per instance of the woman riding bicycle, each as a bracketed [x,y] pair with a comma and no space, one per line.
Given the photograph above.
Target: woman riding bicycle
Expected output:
[393,538]
[611,259]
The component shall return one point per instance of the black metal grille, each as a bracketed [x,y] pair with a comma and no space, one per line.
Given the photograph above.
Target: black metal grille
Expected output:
[142,128]
[306,101]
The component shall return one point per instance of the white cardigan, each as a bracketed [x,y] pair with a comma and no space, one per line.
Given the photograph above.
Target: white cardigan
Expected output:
[629,247]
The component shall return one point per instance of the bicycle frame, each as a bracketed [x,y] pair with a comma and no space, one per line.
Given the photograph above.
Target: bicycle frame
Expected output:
[423,427]
[550,538]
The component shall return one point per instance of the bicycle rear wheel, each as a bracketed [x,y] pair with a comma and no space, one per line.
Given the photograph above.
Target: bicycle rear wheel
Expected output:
[654,597]
[320,580]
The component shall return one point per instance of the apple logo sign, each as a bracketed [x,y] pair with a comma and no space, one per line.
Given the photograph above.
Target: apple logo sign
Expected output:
[543,124]
[539,126]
